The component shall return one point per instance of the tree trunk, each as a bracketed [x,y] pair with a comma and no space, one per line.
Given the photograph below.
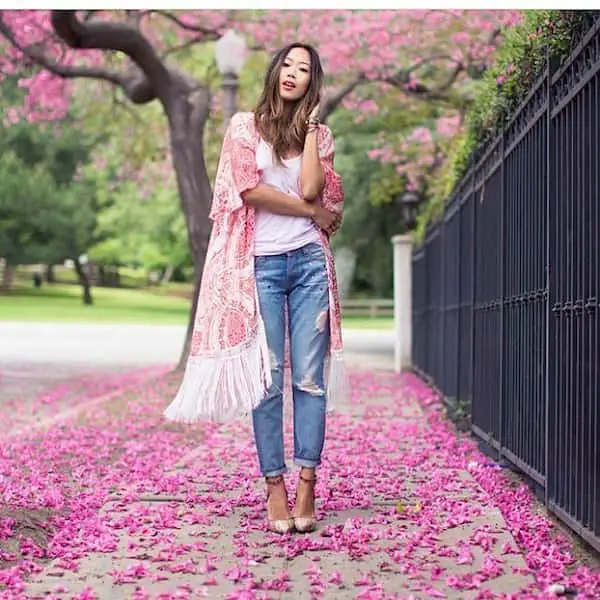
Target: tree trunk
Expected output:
[187,113]
[84,280]
[167,274]
[7,277]
[50,278]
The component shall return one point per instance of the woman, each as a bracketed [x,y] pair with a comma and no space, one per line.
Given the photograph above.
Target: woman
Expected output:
[277,200]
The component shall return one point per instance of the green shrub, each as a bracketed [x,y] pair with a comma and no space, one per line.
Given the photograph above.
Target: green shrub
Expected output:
[521,58]
[542,35]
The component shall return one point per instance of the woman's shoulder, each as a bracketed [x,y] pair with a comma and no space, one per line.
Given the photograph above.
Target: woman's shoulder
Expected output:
[243,127]
[242,119]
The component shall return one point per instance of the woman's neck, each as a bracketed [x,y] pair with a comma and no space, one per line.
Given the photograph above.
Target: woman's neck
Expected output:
[277,131]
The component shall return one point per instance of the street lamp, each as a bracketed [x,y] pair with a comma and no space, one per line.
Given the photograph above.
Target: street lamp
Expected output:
[230,54]
[409,203]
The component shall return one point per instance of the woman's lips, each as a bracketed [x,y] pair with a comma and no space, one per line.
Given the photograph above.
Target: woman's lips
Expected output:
[288,85]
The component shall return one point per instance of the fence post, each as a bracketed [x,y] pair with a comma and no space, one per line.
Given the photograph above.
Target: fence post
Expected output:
[459,267]
[402,301]
[441,356]
[549,347]
[473,290]
[503,230]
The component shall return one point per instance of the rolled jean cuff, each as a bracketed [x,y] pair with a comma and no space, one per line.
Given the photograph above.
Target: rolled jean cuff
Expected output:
[275,473]
[305,462]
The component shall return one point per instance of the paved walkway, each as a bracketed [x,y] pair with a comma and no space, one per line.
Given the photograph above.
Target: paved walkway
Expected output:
[106,345]
[146,509]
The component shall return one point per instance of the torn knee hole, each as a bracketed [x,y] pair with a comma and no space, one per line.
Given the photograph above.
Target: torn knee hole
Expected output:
[321,320]
[273,360]
[310,387]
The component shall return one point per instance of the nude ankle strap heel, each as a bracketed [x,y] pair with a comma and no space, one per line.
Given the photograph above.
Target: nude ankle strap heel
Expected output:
[281,526]
[306,524]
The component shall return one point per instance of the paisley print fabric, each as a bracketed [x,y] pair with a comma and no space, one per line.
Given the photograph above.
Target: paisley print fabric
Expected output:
[228,368]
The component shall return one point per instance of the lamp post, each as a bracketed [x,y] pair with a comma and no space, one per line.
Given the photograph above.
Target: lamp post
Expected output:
[231,55]
[409,203]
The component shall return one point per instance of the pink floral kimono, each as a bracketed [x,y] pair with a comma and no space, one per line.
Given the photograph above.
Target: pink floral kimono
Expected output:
[228,369]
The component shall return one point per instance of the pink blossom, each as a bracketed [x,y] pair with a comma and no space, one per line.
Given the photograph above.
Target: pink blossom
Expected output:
[395,479]
[374,43]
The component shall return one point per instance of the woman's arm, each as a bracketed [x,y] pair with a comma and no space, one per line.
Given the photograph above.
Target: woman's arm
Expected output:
[275,201]
[312,174]
[241,184]
[239,147]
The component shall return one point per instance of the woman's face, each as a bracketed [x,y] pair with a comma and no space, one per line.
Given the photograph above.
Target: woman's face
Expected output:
[294,77]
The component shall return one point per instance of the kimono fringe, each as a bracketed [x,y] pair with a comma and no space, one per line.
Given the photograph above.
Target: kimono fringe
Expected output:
[211,385]
[338,385]
[221,388]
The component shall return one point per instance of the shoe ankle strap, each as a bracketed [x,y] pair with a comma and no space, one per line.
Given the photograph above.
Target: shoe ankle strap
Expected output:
[274,480]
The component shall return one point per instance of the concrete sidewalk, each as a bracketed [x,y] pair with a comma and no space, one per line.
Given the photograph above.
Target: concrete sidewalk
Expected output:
[126,345]
[400,517]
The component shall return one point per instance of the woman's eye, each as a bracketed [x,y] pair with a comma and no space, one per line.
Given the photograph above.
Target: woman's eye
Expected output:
[304,70]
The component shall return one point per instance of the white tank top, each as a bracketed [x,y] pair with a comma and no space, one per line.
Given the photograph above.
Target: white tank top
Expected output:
[277,234]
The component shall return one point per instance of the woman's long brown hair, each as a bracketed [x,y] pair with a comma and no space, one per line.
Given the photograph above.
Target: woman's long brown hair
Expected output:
[283,124]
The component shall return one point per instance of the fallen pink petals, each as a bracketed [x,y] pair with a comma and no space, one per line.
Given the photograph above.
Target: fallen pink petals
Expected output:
[394,494]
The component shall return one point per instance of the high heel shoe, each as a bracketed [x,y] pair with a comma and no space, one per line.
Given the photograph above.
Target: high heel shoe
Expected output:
[305,524]
[281,526]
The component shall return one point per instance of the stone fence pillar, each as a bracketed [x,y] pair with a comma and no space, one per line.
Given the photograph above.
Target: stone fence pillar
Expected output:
[402,301]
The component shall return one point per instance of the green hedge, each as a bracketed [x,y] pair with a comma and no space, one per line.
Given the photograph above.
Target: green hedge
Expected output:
[520,61]
[521,58]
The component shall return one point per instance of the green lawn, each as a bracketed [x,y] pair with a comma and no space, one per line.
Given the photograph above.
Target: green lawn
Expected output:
[62,302]
[367,323]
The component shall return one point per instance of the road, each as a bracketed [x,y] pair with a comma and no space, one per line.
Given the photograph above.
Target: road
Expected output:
[75,346]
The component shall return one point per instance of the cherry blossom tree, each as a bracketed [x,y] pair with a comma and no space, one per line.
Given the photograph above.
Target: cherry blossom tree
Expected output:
[426,55]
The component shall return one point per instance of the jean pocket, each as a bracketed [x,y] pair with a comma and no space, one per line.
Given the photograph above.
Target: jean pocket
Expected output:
[314,252]
[269,269]
[267,262]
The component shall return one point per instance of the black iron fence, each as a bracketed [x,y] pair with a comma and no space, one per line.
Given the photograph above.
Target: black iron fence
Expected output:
[506,290]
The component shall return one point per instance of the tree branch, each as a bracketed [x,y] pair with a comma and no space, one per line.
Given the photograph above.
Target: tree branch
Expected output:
[125,106]
[401,79]
[35,53]
[207,34]
[333,100]
[113,36]
[89,14]
[199,40]
[183,46]
[135,86]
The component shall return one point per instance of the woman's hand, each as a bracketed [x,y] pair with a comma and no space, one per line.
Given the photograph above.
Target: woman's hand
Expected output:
[325,219]
[314,113]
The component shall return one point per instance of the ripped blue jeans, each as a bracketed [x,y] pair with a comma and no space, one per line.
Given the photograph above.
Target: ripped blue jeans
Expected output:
[299,280]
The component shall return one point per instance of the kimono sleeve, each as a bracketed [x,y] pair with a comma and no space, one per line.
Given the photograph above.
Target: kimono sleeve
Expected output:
[332,196]
[237,171]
